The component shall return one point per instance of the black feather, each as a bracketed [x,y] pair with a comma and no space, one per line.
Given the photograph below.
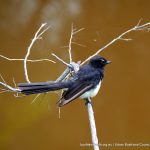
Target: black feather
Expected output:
[34,88]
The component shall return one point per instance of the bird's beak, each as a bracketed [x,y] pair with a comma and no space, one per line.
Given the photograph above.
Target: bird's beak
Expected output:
[108,62]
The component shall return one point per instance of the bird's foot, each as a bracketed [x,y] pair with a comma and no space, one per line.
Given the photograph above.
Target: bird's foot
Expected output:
[87,101]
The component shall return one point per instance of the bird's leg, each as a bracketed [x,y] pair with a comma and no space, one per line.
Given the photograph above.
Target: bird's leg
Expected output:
[87,101]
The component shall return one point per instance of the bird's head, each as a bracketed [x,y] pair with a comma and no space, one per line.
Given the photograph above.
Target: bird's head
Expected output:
[98,62]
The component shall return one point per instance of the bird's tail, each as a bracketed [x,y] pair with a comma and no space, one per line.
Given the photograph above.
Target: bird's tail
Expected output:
[41,87]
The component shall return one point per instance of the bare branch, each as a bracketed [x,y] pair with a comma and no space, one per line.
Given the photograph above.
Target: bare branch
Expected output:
[19,96]
[79,44]
[70,42]
[16,94]
[63,75]
[36,37]
[14,83]
[10,88]
[139,22]
[73,32]
[75,66]
[124,39]
[92,125]
[2,79]
[60,59]
[4,84]
[4,91]
[39,35]
[145,26]
[35,98]
[76,31]
[29,60]
[59,111]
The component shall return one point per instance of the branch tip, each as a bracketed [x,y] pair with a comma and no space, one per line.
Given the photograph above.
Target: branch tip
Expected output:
[120,37]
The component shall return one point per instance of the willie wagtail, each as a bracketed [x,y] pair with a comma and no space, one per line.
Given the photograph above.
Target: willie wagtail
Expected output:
[84,84]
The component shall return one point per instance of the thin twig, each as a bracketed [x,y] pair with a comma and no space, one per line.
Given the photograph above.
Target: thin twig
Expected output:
[76,31]
[139,22]
[39,35]
[29,60]
[4,84]
[16,94]
[79,44]
[60,59]
[70,66]
[125,39]
[4,91]
[70,42]
[73,32]
[59,112]
[14,83]
[145,26]
[92,125]
[3,79]
[63,75]
[36,36]
[10,88]
[35,98]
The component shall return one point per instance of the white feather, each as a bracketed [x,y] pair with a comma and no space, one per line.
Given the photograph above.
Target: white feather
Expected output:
[92,92]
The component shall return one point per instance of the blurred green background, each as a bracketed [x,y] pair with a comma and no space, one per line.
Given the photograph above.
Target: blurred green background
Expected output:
[122,107]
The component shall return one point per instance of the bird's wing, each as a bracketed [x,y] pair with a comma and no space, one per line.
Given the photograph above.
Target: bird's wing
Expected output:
[76,91]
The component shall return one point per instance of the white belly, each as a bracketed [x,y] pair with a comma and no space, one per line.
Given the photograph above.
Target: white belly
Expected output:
[92,92]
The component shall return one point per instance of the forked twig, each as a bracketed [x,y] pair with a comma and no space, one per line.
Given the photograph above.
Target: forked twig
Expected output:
[58,58]
[28,60]
[9,87]
[73,32]
[36,37]
[138,27]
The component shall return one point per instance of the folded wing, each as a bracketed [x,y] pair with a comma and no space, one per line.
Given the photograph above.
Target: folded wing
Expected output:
[76,91]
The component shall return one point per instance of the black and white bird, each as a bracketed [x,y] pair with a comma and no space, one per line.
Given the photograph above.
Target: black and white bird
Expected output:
[84,84]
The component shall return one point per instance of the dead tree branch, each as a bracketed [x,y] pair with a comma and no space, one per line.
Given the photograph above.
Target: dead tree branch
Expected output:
[92,125]
[61,60]
[8,87]
[28,60]
[37,36]
[73,32]
[138,27]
